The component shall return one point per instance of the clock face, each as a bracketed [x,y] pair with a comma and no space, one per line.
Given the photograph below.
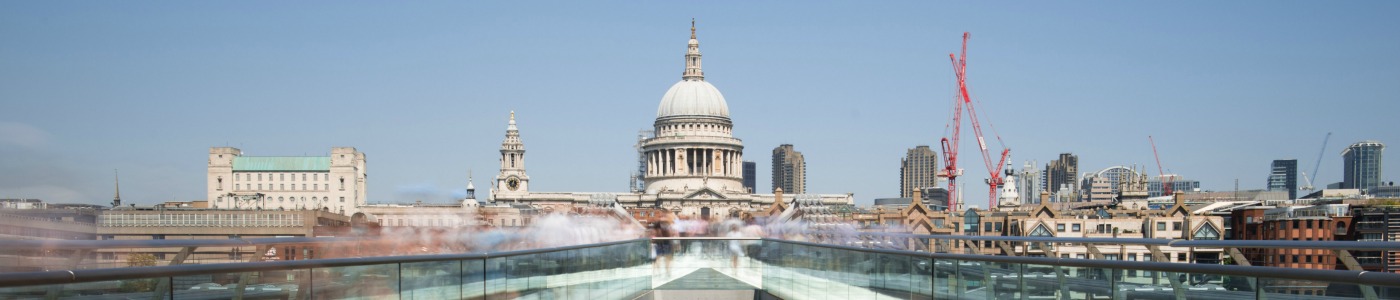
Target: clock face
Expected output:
[513,183]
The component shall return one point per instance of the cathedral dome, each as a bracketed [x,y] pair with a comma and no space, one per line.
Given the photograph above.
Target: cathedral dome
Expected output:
[693,98]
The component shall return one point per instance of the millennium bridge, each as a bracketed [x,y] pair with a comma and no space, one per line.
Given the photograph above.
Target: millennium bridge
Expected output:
[815,266]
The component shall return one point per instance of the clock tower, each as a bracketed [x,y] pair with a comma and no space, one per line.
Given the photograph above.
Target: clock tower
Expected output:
[512,179]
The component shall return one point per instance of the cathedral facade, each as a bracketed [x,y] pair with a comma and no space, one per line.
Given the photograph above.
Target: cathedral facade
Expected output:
[693,165]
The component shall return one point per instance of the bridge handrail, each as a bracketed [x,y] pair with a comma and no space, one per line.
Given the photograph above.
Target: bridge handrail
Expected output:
[1340,276]
[119,244]
[91,275]
[1277,244]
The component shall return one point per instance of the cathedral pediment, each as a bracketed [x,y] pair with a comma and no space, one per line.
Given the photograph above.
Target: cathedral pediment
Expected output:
[705,193]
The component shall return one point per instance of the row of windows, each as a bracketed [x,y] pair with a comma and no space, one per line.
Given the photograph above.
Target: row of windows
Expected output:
[284,199]
[283,187]
[1162,226]
[206,220]
[1283,259]
[281,176]
[439,222]
[701,127]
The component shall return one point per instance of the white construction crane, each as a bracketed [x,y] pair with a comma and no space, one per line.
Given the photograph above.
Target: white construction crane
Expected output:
[1308,185]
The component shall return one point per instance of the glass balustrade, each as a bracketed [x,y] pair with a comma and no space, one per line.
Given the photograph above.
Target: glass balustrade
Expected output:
[630,269]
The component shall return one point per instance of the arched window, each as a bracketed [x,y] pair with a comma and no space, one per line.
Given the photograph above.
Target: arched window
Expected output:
[279,199]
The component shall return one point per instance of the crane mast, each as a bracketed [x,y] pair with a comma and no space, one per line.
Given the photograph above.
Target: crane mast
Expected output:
[950,147]
[1166,182]
[1316,164]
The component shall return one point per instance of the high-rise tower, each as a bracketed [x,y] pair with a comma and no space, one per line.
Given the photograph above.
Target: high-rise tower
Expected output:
[1283,176]
[789,170]
[750,176]
[1061,174]
[918,169]
[1361,165]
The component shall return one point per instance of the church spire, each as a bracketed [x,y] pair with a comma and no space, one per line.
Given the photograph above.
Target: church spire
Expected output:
[692,58]
[116,180]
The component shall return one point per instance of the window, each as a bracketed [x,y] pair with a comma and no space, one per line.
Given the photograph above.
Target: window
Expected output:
[259,176]
[1206,232]
[279,199]
[342,183]
[303,177]
[1059,227]
[1310,224]
[282,186]
[281,176]
[342,199]
[1295,225]
[303,186]
[237,186]
[1161,226]
[1181,257]
[259,186]
[221,199]
[1176,225]
[1075,228]
[221,184]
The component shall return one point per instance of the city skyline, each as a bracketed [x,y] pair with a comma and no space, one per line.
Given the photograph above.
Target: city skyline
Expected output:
[425,91]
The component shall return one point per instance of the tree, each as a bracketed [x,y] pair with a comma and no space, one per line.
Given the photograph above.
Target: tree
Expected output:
[139,285]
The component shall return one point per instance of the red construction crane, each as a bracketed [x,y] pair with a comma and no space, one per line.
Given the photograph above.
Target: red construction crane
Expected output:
[1166,181]
[950,148]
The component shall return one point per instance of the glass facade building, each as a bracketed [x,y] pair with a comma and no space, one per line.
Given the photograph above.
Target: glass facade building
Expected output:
[1283,176]
[1361,163]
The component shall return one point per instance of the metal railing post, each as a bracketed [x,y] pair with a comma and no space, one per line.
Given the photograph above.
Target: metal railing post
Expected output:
[165,283]
[56,290]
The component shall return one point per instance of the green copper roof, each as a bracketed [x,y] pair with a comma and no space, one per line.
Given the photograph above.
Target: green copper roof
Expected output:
[281,163]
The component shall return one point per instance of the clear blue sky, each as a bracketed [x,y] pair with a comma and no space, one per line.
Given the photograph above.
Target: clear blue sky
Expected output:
[424,89]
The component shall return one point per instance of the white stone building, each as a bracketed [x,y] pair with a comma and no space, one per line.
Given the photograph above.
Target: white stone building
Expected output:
[334,183]
[693,165]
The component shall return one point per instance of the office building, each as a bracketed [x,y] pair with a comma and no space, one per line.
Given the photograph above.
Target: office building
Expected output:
[1283,176]
[1178,184]
[789,170]
[1361,165]
[1063,173]
[750,176]
[918,169]
[1030,181]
